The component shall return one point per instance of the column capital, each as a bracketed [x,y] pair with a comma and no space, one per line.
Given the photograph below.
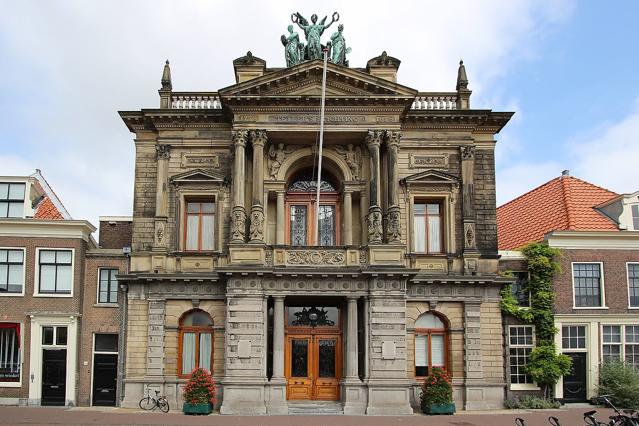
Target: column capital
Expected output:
[467,152]
[374,138]
[163,151]
[351,298]
[279,296]
[240,137]
[258,137]
[392,139]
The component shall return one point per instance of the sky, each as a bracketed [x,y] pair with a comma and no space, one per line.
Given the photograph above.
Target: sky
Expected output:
[567,69]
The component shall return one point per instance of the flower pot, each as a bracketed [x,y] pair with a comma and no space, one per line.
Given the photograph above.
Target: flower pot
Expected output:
[440,408]
[197,408]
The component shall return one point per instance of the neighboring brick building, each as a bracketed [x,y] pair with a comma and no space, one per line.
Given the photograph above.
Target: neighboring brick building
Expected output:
[597,290]
[228,273]
[49,308]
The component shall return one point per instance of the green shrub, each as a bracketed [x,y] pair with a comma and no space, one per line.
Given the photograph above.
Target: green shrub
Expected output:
[546,366]
[620,380]
[530,402]
[437,389]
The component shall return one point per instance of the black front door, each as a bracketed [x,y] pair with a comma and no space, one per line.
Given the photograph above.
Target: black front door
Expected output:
[575,382]
[105,371]
[54,376]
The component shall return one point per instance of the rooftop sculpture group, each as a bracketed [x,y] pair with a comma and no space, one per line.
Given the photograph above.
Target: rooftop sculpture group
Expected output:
[296,51]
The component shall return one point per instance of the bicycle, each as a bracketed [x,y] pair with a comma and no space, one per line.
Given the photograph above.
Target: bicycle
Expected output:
[149,403]
[627,418]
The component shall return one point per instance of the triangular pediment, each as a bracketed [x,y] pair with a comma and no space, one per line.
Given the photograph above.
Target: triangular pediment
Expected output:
[431,177]
[305,79]
[197,176]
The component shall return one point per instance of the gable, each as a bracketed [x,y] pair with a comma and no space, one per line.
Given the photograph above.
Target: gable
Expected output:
[197,176]
[305,79]
[430,176]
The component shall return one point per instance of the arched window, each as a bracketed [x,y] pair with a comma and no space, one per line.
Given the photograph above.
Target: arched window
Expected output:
[431,344]
[196,342]
[301,204]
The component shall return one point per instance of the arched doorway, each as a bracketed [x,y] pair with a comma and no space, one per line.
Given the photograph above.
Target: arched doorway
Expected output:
[301,210]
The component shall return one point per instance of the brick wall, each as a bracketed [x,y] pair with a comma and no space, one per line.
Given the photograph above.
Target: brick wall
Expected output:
[116,234]
[614,277]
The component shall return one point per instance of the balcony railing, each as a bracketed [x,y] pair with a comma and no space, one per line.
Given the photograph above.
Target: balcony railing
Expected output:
[445,100]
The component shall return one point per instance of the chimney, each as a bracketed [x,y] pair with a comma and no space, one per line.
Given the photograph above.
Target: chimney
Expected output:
[565,173]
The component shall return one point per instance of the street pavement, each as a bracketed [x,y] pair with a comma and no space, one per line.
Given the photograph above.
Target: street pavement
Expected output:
[572,416]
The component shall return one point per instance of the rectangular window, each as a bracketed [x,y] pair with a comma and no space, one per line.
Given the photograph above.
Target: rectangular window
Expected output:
[55,275]
[108,288]
[631,347]
[587,284]
[520,289]
[12,199]
[635,216]
[106,343]
[54,335]
[427,227]
[621,343]
[9,352]
[199,226]
[521,345]
[327,225]
[298,225]
[11,271]
[633,284]
[573,337]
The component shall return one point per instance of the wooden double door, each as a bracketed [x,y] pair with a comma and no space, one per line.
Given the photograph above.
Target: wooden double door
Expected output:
[313,366]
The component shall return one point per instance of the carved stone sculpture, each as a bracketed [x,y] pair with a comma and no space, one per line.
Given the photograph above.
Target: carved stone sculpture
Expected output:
[163,152]
[315,257]
[338,47]
[469,235]
[276,157]
[352,156]
[293,48]
[238,224]
[313,32]
[256,228]
[375,228]
[467,152]
[393,232]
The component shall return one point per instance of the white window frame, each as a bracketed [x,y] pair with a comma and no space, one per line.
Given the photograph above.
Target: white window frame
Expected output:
[24,272]
[622,344]
[17,384]
[27,188]
[561,337]
[36,271]
[99,304]
[602,286]
[520,386]
[628,282]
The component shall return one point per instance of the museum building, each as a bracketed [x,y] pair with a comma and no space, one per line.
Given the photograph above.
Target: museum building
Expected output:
[236,269]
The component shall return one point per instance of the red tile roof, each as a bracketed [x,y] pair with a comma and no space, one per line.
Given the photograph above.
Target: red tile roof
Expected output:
[564,203]
[47,210]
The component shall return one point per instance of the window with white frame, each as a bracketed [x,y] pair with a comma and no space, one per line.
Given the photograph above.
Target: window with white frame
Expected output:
[11,271]
[108,287]
[9,352]
[54,335]
[573,337]
[521,338]
[427,227]
[621,342]
[587,282]
[12,199]
[633,284]
[634,209]
[55,271]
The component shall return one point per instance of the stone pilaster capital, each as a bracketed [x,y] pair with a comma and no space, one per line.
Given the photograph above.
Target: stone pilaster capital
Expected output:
[258,138]
[392,139]
[374,139]
[352,298]
[279,297]
[240,137]
[467,152]
[163,152]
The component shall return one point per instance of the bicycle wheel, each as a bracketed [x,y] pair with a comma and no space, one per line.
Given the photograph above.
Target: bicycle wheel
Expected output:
[147,403]
[164,405]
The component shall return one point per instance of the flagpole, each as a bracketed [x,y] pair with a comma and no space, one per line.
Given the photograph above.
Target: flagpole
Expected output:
[321,145]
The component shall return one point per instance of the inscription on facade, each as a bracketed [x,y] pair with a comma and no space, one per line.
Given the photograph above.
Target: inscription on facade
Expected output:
[200,160]
[304,118]
[432,161]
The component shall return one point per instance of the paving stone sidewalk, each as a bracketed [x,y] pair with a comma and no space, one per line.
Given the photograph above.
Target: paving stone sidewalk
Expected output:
[572,416]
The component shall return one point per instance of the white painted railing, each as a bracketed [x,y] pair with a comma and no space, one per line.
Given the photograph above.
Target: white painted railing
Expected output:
[435,101]
[195,100]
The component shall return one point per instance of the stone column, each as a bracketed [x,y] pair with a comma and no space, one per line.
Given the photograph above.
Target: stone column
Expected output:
[280,226]
[375,228]
[354,394]
[277,386]
[348,218]
[256,230]
[163,153]
[238,215]
[393,232]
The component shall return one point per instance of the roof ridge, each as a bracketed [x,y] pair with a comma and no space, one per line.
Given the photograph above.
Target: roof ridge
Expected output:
[52,195]
[567,199]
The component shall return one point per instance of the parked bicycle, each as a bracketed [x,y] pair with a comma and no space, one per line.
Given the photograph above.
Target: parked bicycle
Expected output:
[627,418]
[149,403]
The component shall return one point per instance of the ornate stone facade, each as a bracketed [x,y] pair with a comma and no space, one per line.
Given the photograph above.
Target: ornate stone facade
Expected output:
[361,253]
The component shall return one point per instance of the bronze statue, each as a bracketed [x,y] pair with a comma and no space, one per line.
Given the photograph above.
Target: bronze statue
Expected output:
[293,49]
[313,33]
[338,47]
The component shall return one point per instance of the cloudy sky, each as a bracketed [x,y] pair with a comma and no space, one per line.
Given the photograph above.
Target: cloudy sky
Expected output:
[568,69]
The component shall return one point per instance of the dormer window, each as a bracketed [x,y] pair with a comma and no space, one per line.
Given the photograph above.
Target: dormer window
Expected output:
[12,199]
[634,210]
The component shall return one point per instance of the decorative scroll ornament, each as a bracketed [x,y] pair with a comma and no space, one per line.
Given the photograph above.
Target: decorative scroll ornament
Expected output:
[163,152]
[375,228]
[393,232]
[256,229]
[467,152]
[159,233]
[469,235]
[238,224]
[276,157]
[315,257]
[312,317]
[352,156]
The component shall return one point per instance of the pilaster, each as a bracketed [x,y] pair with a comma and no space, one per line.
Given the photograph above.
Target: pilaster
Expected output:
[277,385]
[160,238]
[393,233]
[471,255]
[238,213]
[374,220]
[256,230]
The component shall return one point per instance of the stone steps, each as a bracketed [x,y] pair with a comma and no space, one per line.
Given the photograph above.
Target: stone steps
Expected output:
[319,408]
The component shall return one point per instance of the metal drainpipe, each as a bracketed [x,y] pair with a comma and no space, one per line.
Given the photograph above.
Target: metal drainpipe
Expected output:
[122,348]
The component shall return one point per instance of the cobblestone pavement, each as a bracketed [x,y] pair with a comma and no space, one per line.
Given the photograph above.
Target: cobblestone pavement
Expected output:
[117,416]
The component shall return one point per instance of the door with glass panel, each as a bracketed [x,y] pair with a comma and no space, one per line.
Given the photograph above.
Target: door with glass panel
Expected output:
[313,366]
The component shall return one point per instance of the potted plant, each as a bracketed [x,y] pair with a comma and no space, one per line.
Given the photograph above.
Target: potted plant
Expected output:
[199,393]
[437,393]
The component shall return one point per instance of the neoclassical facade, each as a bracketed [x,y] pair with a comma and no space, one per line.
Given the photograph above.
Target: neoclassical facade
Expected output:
[235,267]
